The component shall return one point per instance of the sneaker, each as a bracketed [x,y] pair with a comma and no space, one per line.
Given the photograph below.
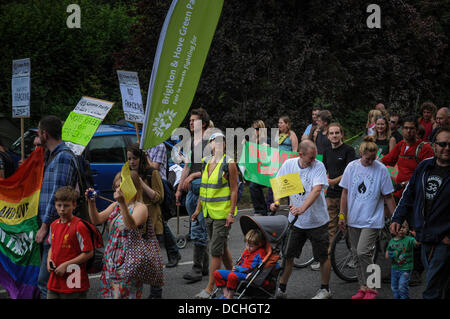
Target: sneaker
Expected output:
[322,294]
[280,294]
[371,294]
[359,295]
[415,279]
[203,295]
[315,266]
[173,261]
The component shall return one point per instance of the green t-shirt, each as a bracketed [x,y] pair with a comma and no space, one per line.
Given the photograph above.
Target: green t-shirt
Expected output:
[401,253]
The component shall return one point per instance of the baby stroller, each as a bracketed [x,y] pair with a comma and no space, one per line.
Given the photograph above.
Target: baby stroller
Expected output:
[264,279]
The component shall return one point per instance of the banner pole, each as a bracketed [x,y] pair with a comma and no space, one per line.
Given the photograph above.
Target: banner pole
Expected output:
[22,138]
[137,130]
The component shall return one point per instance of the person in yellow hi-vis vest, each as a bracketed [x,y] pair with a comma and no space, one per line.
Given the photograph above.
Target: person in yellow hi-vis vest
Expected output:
[218,202]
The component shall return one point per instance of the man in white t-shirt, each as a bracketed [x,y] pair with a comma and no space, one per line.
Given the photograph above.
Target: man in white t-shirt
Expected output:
[312,216]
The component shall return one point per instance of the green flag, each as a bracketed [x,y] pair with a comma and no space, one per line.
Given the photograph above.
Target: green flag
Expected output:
[260,163]
[181,53]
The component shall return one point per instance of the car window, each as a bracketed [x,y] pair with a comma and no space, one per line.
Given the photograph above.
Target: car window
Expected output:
[106,149]
[130,139]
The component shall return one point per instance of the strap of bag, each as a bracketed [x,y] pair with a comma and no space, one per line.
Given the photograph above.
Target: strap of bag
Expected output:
[79,179]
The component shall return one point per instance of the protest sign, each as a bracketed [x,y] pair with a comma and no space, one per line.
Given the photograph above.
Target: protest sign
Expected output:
[126,185]
[260,163]
[19,253]
[182,49]
[286,185]
[20,86]
[130,91]
[83,121]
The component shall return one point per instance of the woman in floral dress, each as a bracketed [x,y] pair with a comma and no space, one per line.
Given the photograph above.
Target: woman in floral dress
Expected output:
[121,217]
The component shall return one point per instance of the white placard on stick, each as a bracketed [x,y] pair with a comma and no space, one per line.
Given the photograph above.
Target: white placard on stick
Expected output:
[133,107]
[20,87]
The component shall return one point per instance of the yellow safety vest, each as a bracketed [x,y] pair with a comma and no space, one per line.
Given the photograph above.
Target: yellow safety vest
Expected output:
[215,193]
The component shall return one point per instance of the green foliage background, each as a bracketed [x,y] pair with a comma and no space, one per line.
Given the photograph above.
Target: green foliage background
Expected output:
[268,58]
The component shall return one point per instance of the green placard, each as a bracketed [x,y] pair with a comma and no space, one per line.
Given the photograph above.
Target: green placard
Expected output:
[79,128]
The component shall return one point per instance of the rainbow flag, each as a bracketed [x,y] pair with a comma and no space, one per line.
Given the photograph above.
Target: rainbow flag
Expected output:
[20,256]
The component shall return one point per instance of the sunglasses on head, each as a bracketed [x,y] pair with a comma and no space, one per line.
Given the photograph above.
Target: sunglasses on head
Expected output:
[442,144]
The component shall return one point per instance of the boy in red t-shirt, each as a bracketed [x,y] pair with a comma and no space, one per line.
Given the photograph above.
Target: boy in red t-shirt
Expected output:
[251,258]
[71,247]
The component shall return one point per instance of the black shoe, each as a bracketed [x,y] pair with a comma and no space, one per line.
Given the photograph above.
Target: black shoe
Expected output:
[173,261]
[415,280]
[193,276]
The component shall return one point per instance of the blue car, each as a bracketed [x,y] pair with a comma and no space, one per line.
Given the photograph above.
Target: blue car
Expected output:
[106,153]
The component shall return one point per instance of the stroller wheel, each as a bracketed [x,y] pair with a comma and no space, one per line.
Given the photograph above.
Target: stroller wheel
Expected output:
[306,258]
[181,242]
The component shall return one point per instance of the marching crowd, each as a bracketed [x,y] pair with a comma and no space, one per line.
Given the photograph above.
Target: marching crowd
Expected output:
[345,189]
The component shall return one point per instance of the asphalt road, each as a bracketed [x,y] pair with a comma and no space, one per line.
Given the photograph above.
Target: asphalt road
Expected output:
[303,283]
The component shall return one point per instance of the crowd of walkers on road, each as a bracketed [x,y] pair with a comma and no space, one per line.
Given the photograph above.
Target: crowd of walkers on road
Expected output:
[345,188]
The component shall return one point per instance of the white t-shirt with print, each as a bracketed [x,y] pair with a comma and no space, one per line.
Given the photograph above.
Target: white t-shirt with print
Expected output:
[366,187]
[317,214]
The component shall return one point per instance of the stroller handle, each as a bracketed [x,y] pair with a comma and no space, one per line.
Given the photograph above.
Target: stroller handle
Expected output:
[293,221]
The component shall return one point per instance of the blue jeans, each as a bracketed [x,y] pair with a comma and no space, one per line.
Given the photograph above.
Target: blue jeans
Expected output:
[44,275]
[400,283]
[258,198]
[169,241]
[198,228]
[437,267]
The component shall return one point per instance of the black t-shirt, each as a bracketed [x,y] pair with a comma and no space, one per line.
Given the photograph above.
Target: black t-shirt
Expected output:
[6,164]
[398,137]
[197,166]
[433,183]
[384,145]
[322,143]
[335,161]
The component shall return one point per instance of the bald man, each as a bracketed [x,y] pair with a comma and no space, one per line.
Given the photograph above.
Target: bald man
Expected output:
[442,119]
[311,209]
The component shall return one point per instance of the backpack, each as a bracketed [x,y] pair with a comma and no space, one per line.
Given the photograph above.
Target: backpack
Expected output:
[168,206]
[240,180]
[95,263]
[84,181]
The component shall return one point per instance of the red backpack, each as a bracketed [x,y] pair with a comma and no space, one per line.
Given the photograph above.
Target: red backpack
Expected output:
[95,263]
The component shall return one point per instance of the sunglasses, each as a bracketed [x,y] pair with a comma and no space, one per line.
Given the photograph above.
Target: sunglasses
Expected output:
[443,144]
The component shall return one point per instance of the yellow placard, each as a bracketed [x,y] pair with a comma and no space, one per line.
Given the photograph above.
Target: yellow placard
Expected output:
[286,185]
[127,185]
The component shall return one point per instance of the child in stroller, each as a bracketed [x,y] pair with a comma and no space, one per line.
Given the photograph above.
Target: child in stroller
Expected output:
[251,258]
[262,280]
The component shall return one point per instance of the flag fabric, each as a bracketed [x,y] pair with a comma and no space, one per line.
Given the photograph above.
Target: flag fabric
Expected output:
[182,49]
[19,253]
[260,163]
